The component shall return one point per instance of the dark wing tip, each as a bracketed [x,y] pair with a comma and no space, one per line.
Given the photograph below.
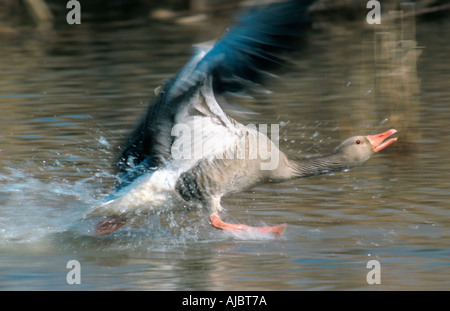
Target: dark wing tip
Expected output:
[251,47]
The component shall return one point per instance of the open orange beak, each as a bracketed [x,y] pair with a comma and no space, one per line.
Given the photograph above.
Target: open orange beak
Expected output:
[380,141]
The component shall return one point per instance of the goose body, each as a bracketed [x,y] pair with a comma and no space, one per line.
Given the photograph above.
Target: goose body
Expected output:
[188,153]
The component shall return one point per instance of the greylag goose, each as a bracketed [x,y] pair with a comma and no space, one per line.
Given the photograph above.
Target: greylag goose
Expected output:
[186,152]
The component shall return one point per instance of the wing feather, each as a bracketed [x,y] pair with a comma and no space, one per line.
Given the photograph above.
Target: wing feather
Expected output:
[241,57]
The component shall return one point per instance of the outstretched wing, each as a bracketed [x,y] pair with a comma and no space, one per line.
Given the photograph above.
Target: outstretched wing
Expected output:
[243,54]
[247,51]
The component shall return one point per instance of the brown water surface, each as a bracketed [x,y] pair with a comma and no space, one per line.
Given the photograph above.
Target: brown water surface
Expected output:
[68,99]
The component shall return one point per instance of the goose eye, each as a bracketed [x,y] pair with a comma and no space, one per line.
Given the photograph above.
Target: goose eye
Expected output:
[358,142]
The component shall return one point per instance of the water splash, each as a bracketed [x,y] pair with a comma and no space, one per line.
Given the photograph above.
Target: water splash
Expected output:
[43,214]
[32,209]
[42,205]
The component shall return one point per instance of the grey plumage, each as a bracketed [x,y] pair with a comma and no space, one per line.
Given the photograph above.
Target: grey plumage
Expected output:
[188,153]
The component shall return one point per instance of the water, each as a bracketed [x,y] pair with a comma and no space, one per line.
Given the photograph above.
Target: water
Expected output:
[69,98]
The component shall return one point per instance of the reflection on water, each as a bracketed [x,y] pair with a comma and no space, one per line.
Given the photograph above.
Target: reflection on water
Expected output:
[68,100]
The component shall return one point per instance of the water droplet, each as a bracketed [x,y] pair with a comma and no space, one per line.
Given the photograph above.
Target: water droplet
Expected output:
[383,121]
[103,141]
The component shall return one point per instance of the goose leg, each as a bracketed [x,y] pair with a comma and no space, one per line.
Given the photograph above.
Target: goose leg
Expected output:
[218,223]
[109,224]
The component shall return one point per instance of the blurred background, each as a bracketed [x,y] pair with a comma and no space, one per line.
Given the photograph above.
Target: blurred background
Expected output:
[29,11]
[70,94]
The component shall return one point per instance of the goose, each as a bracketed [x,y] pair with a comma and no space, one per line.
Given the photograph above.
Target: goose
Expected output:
[187,153]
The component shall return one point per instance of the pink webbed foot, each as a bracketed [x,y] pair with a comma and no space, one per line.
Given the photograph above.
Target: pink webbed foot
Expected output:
[218,223]
[109,225]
